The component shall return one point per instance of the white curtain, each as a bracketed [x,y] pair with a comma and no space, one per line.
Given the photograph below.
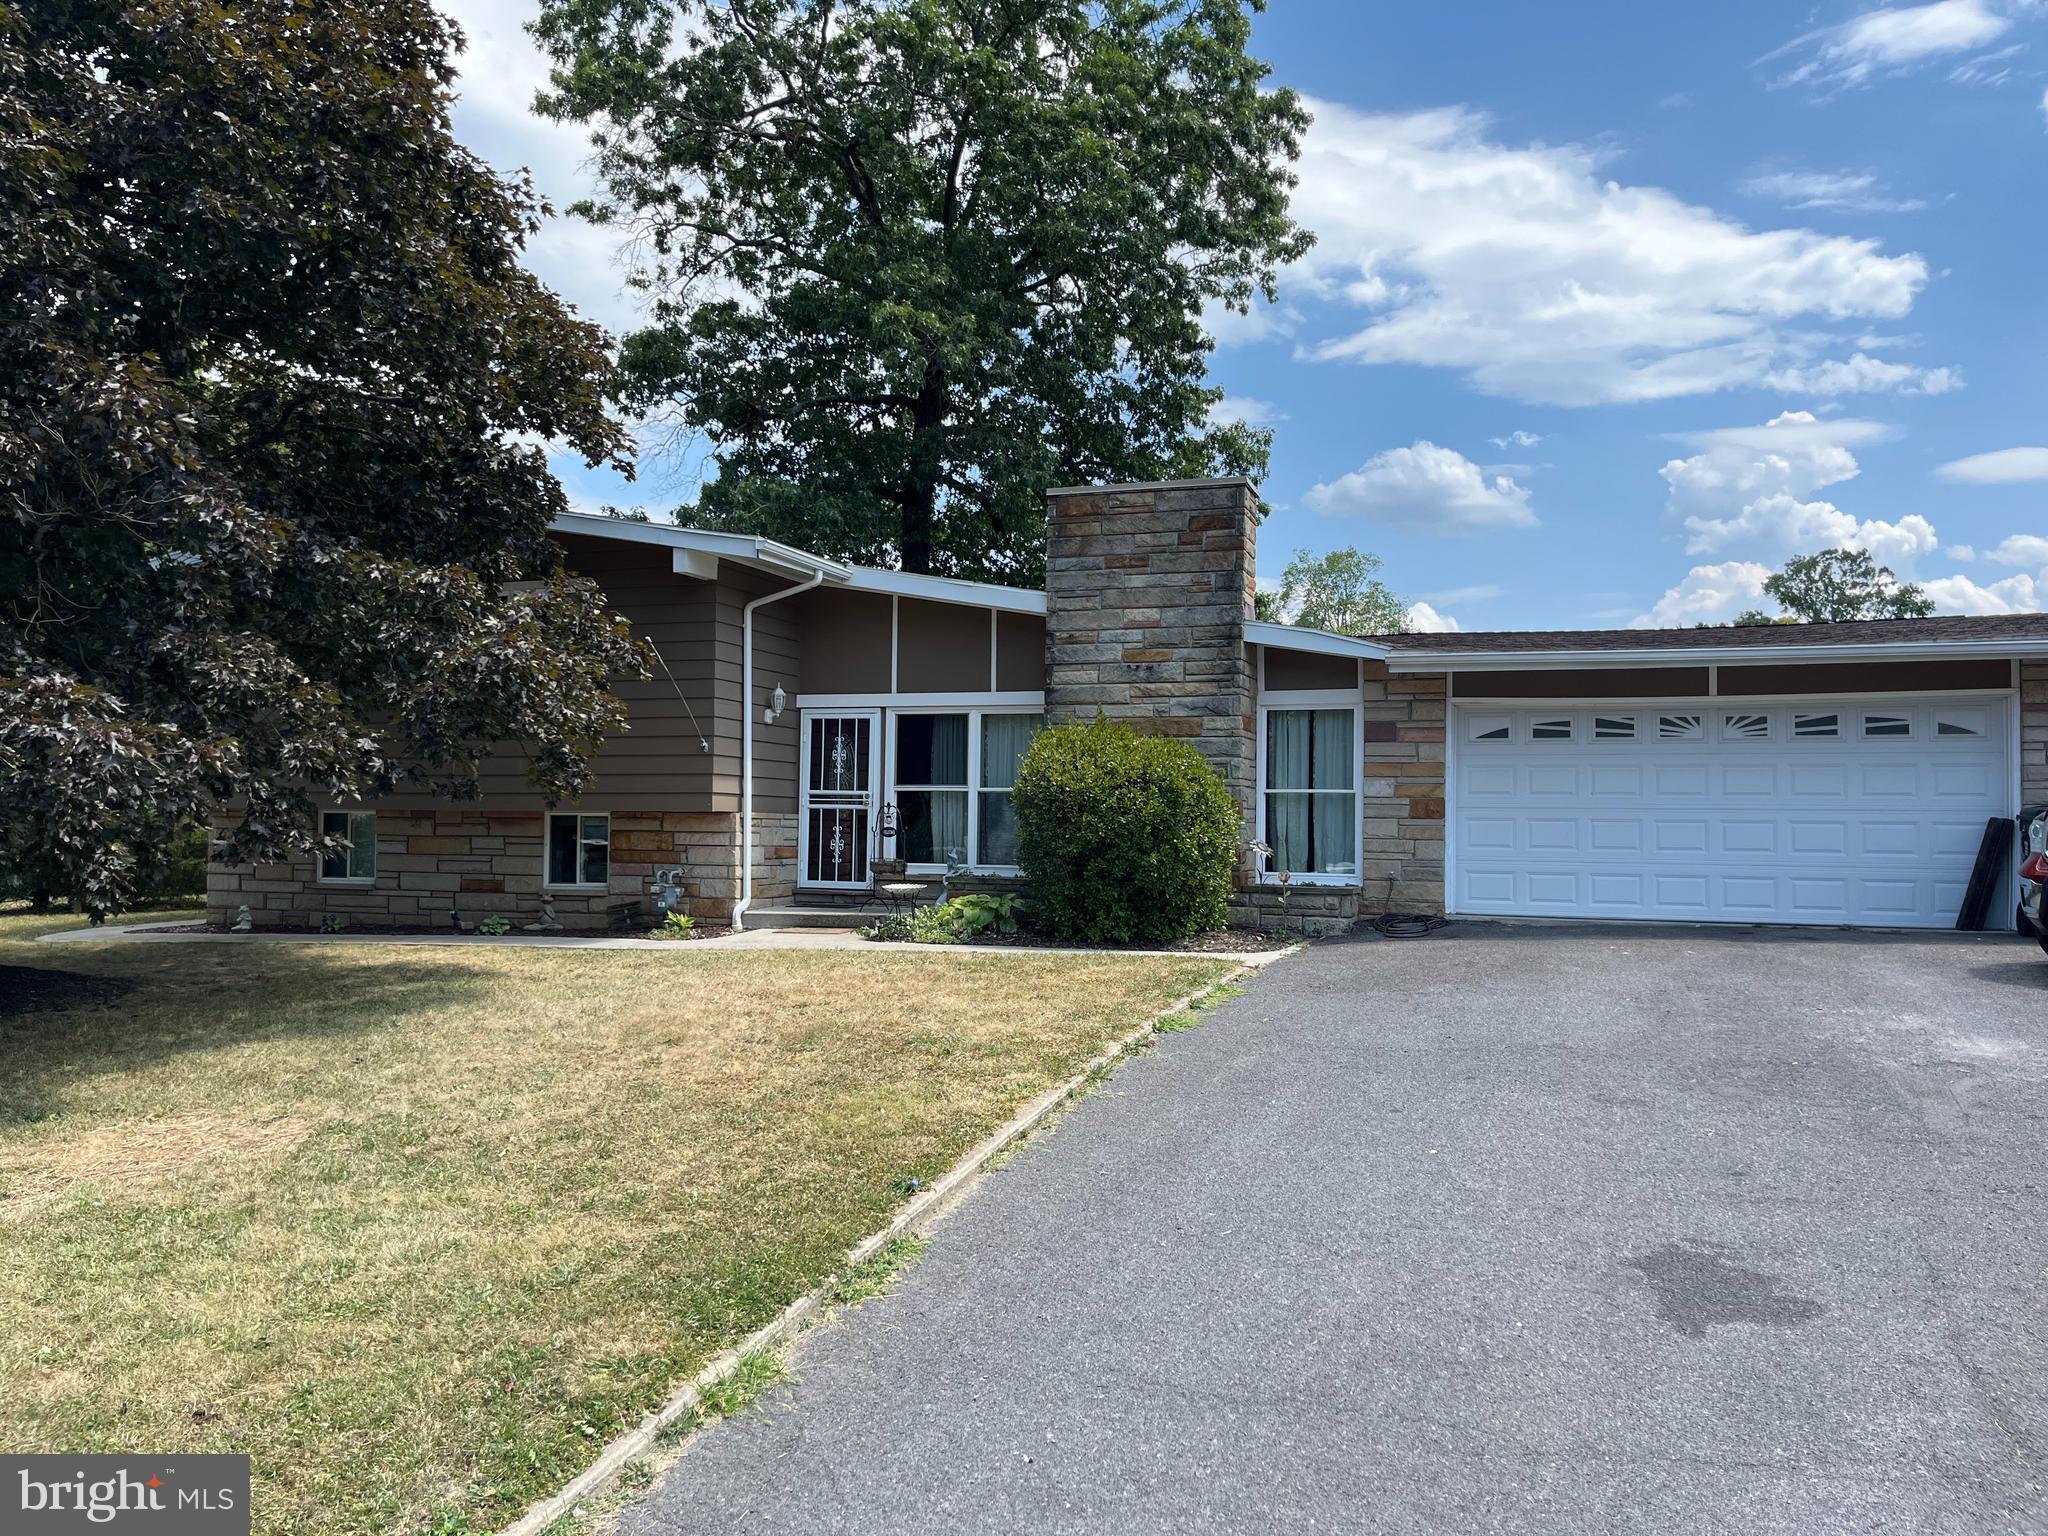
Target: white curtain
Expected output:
[949,766]
[1004,739]
[1336,807]
[1287,770]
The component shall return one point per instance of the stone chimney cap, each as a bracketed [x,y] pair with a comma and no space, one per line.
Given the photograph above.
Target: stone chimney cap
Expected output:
[1153,485]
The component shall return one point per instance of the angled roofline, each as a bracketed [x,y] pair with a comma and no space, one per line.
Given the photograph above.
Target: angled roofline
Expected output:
[1292,637]
[787,560]
[1403,659]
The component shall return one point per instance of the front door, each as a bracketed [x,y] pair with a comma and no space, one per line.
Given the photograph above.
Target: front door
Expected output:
[836,827]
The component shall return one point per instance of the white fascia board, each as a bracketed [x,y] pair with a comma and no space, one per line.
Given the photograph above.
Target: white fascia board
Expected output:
[1699,656]
[1290,637]
[743,547]
[945,589]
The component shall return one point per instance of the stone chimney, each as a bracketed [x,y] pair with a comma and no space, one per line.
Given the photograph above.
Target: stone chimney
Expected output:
[1148,588]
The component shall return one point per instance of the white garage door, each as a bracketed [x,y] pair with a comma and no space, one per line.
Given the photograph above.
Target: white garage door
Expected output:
[1807,812]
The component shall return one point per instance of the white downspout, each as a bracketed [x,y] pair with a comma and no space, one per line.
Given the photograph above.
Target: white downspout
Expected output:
[739,912]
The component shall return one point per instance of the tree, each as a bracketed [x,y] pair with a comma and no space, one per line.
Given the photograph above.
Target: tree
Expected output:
[1837,584]
[1340,592]
[1754,618]
[273,517]
[914,261]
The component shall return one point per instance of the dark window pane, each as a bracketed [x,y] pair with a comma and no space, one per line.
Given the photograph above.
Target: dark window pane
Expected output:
[561,850]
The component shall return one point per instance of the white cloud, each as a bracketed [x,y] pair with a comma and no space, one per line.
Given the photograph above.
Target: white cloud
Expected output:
[1243,409]
[1425,620]
[1890,41]
[1517,439]
[1544,280]
[1837,191]
[1747,489]
[1477,594]
[1263,322]
[1709,594]
[1864,375]
[2022,549]
[2003,467]
[2015,594]
[2044,105]
[1964,553]
[1425,489]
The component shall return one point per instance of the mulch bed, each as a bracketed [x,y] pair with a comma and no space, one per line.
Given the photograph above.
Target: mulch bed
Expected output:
[1227,941]
[32,989]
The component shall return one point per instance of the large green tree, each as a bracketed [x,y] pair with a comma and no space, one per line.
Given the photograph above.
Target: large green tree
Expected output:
[913,261]
[1339,591]
[1836,584]
[273,390]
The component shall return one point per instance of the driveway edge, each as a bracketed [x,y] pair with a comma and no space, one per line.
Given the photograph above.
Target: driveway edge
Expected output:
[912,1220]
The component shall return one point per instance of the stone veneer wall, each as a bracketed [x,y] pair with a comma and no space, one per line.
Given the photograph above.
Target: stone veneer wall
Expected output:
[1404,791]
[2034,732]
[479,861]
[1147,592]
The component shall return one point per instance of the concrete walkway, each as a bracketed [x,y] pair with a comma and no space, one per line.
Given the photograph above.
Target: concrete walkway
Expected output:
[1513,1229]
[757,938]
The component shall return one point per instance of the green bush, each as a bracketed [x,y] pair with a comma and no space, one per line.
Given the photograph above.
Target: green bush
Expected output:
[1124,838]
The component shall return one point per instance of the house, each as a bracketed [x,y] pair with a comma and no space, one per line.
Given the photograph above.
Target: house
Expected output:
[1835,773]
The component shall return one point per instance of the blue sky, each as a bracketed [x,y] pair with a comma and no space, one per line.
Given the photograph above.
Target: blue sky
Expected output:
[1613,308]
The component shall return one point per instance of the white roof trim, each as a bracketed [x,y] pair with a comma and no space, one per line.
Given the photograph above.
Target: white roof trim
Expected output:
[789,560]
[946,589]
[1719,655]
[1291,637]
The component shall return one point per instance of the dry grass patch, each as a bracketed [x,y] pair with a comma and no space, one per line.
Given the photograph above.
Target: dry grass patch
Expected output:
[421,1228]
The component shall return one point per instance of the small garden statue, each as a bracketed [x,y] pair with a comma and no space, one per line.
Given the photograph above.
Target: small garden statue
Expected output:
[243,921]
[547,923]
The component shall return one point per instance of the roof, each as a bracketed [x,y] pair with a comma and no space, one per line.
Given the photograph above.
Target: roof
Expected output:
[1957,635]
[1961,627]
[697,551]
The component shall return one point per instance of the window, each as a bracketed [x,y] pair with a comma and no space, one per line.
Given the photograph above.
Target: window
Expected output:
[1488,728]
[1550,730]
[358,861]
[1960,722]
[1816,725]
[1745,727]
[931,788]
[1004,739]
[1681,728]
[579,849]
[1309,801]
[1614,727]
[1887,725]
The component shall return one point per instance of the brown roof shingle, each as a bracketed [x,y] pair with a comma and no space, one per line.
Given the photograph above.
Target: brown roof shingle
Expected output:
[1960,629]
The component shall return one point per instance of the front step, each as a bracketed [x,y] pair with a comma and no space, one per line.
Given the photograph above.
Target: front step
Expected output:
[811,917]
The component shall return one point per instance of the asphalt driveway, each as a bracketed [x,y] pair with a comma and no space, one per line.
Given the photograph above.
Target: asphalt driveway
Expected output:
[1525,1229]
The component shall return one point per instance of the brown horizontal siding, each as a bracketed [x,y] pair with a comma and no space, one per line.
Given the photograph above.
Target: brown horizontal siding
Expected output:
[1308,669]
[1584,683]
[1816,677]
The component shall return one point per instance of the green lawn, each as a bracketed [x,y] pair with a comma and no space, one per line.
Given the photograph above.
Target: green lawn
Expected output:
[420,1229]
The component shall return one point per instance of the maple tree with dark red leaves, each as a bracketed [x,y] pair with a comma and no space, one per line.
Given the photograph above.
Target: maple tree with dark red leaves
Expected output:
[274,395]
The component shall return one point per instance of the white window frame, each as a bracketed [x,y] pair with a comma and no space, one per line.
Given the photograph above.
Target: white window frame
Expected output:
[547,880]
[973,788]
[1318,699]
[359,882]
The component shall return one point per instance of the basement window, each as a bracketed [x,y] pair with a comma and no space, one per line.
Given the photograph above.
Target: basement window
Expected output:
[579,849]
[355,864]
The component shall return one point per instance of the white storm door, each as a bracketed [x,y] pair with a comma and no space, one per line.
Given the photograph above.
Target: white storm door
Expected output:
[836,814]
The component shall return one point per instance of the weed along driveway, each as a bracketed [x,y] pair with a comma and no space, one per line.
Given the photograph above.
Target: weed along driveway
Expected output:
[1528,1229]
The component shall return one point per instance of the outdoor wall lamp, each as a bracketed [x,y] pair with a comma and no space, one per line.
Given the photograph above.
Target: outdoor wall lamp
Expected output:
[776,701]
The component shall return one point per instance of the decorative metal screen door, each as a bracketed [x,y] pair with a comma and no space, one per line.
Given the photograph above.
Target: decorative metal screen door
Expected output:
[839,798]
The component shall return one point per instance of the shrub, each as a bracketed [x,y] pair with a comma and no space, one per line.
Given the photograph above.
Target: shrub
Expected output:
[1123,837]
[495,925]
[677,925]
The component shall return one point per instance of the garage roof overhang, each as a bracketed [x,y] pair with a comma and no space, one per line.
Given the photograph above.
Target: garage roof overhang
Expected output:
[1289,637]
[1696,655]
